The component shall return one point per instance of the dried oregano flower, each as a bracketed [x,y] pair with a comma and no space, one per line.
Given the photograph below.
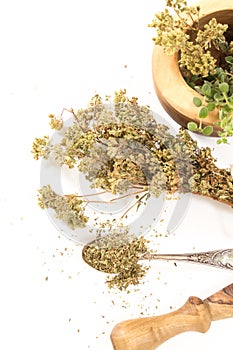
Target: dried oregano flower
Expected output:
[117,254]
[55,122]
[131,152]
[212,34]
[39,147]
[196,61]
[68,208]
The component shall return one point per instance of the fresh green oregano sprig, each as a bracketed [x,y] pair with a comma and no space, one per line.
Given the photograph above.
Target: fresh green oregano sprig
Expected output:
[218,93]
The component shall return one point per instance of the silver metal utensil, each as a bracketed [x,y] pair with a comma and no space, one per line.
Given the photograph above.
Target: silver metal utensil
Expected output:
[219,258]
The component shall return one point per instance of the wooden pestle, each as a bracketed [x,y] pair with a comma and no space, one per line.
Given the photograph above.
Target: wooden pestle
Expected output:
[195,315]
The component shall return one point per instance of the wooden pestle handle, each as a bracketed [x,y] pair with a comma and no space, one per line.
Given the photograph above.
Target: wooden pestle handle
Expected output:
[195,315]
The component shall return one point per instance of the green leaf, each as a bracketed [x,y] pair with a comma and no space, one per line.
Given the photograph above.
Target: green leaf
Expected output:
[226,109]
[208,130]
[224,140]
[192,126]
[203,112]
[206,89]
[224,88]
[229,59]
[211,106]
[219,70]
[218,97]
[222,77]
[197,101]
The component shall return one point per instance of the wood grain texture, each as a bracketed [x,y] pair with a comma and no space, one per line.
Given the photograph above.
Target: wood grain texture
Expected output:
[172,91]
[195,315]
[221,303]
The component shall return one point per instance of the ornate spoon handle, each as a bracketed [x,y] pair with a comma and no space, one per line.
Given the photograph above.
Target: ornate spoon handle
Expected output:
[219,258]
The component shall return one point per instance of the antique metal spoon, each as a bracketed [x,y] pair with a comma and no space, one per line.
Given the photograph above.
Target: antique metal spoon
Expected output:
[219,258]
[222,258]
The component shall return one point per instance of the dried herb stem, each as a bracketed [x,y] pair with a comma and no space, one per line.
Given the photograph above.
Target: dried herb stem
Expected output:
[133,205]
[127,195]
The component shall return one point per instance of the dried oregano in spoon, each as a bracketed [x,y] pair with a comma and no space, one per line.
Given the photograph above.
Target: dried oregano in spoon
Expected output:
[118,254]
[121,149]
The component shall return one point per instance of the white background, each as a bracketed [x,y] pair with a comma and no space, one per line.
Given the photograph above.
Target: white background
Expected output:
[57,54]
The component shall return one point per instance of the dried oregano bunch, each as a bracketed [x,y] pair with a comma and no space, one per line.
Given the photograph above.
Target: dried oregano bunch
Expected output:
[121,148]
